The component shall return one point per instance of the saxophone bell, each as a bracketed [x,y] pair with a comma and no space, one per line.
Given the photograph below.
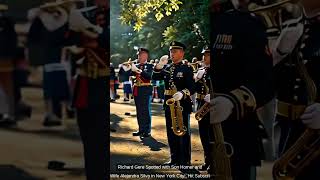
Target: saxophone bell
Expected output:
[176,116]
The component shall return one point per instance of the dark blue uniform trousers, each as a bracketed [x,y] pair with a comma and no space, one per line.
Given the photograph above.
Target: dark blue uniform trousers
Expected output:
[93,126]
[180,146]
[206,134]
[143,108]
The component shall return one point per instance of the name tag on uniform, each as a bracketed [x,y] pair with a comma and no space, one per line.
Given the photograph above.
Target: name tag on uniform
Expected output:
[180,74]
[223,42]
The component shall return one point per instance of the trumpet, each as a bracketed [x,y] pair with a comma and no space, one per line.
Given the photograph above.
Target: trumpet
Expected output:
[127,63]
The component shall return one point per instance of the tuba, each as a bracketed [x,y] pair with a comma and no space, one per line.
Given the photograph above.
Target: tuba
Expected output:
[176,115]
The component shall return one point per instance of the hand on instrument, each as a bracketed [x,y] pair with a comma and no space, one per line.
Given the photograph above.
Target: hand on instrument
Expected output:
[199,74]
[177,96]
[134,68]
[311,116]
[221,108]
[207,98]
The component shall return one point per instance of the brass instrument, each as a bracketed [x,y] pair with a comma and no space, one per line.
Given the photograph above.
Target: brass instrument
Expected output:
[306,148]
[176,115]
[220,157]
[129,62]
[195,66]
[202,111]
[271,13]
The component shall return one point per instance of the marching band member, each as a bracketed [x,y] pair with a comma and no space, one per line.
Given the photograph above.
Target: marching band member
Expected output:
[202,78]
[179,85]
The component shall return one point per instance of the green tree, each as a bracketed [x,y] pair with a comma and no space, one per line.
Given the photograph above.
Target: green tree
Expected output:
[155,23]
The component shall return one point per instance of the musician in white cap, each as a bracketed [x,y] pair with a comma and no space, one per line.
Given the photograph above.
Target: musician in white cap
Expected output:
[50,30]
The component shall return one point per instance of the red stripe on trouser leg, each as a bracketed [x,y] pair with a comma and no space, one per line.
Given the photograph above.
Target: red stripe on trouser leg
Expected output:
[135,91]
[82,97]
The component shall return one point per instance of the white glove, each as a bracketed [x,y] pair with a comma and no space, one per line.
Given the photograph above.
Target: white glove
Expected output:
[221,108]
[78,22]
[33,13]
[311,116]
[126,67]
[163,61]
[287,40]
[177,96]
[207,98]
[199,74]
[134,68]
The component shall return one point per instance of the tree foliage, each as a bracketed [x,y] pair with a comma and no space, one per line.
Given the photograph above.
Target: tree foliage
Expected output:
[155,23]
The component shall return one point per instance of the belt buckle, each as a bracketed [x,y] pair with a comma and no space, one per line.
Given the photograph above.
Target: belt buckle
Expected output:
[294,112]
[297,112]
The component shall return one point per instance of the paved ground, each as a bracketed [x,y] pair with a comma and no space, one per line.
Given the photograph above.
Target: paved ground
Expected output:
[26,149]
[127,150]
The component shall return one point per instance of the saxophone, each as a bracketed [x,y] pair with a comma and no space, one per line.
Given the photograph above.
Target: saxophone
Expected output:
[204,108]
[306,148]
[176,115]
[220,157]
[202,111]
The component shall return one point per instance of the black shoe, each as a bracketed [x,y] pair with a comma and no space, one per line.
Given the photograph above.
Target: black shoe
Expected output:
[51,122]
[138,133]
[204,167]
[145,135]
[112,100]
[125,100]
[169,163]
[7,121]
[70,113]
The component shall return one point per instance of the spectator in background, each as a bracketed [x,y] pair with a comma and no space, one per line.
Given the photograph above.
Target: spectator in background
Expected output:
[8,47]
[50,30]
[112,83]
[124,77]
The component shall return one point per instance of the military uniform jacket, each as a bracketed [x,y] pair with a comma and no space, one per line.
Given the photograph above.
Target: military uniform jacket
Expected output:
[181,75]
[290,85]
[144,77]
[242,71]
[8,38]
[202,86]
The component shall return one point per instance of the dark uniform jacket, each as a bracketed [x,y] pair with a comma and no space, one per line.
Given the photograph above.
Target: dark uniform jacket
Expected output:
[8,38]
[290,84]
[242,71]
[182,77]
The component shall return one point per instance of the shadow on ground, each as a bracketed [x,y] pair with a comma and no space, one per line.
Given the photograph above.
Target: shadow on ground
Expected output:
[153,144]
[10,172]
